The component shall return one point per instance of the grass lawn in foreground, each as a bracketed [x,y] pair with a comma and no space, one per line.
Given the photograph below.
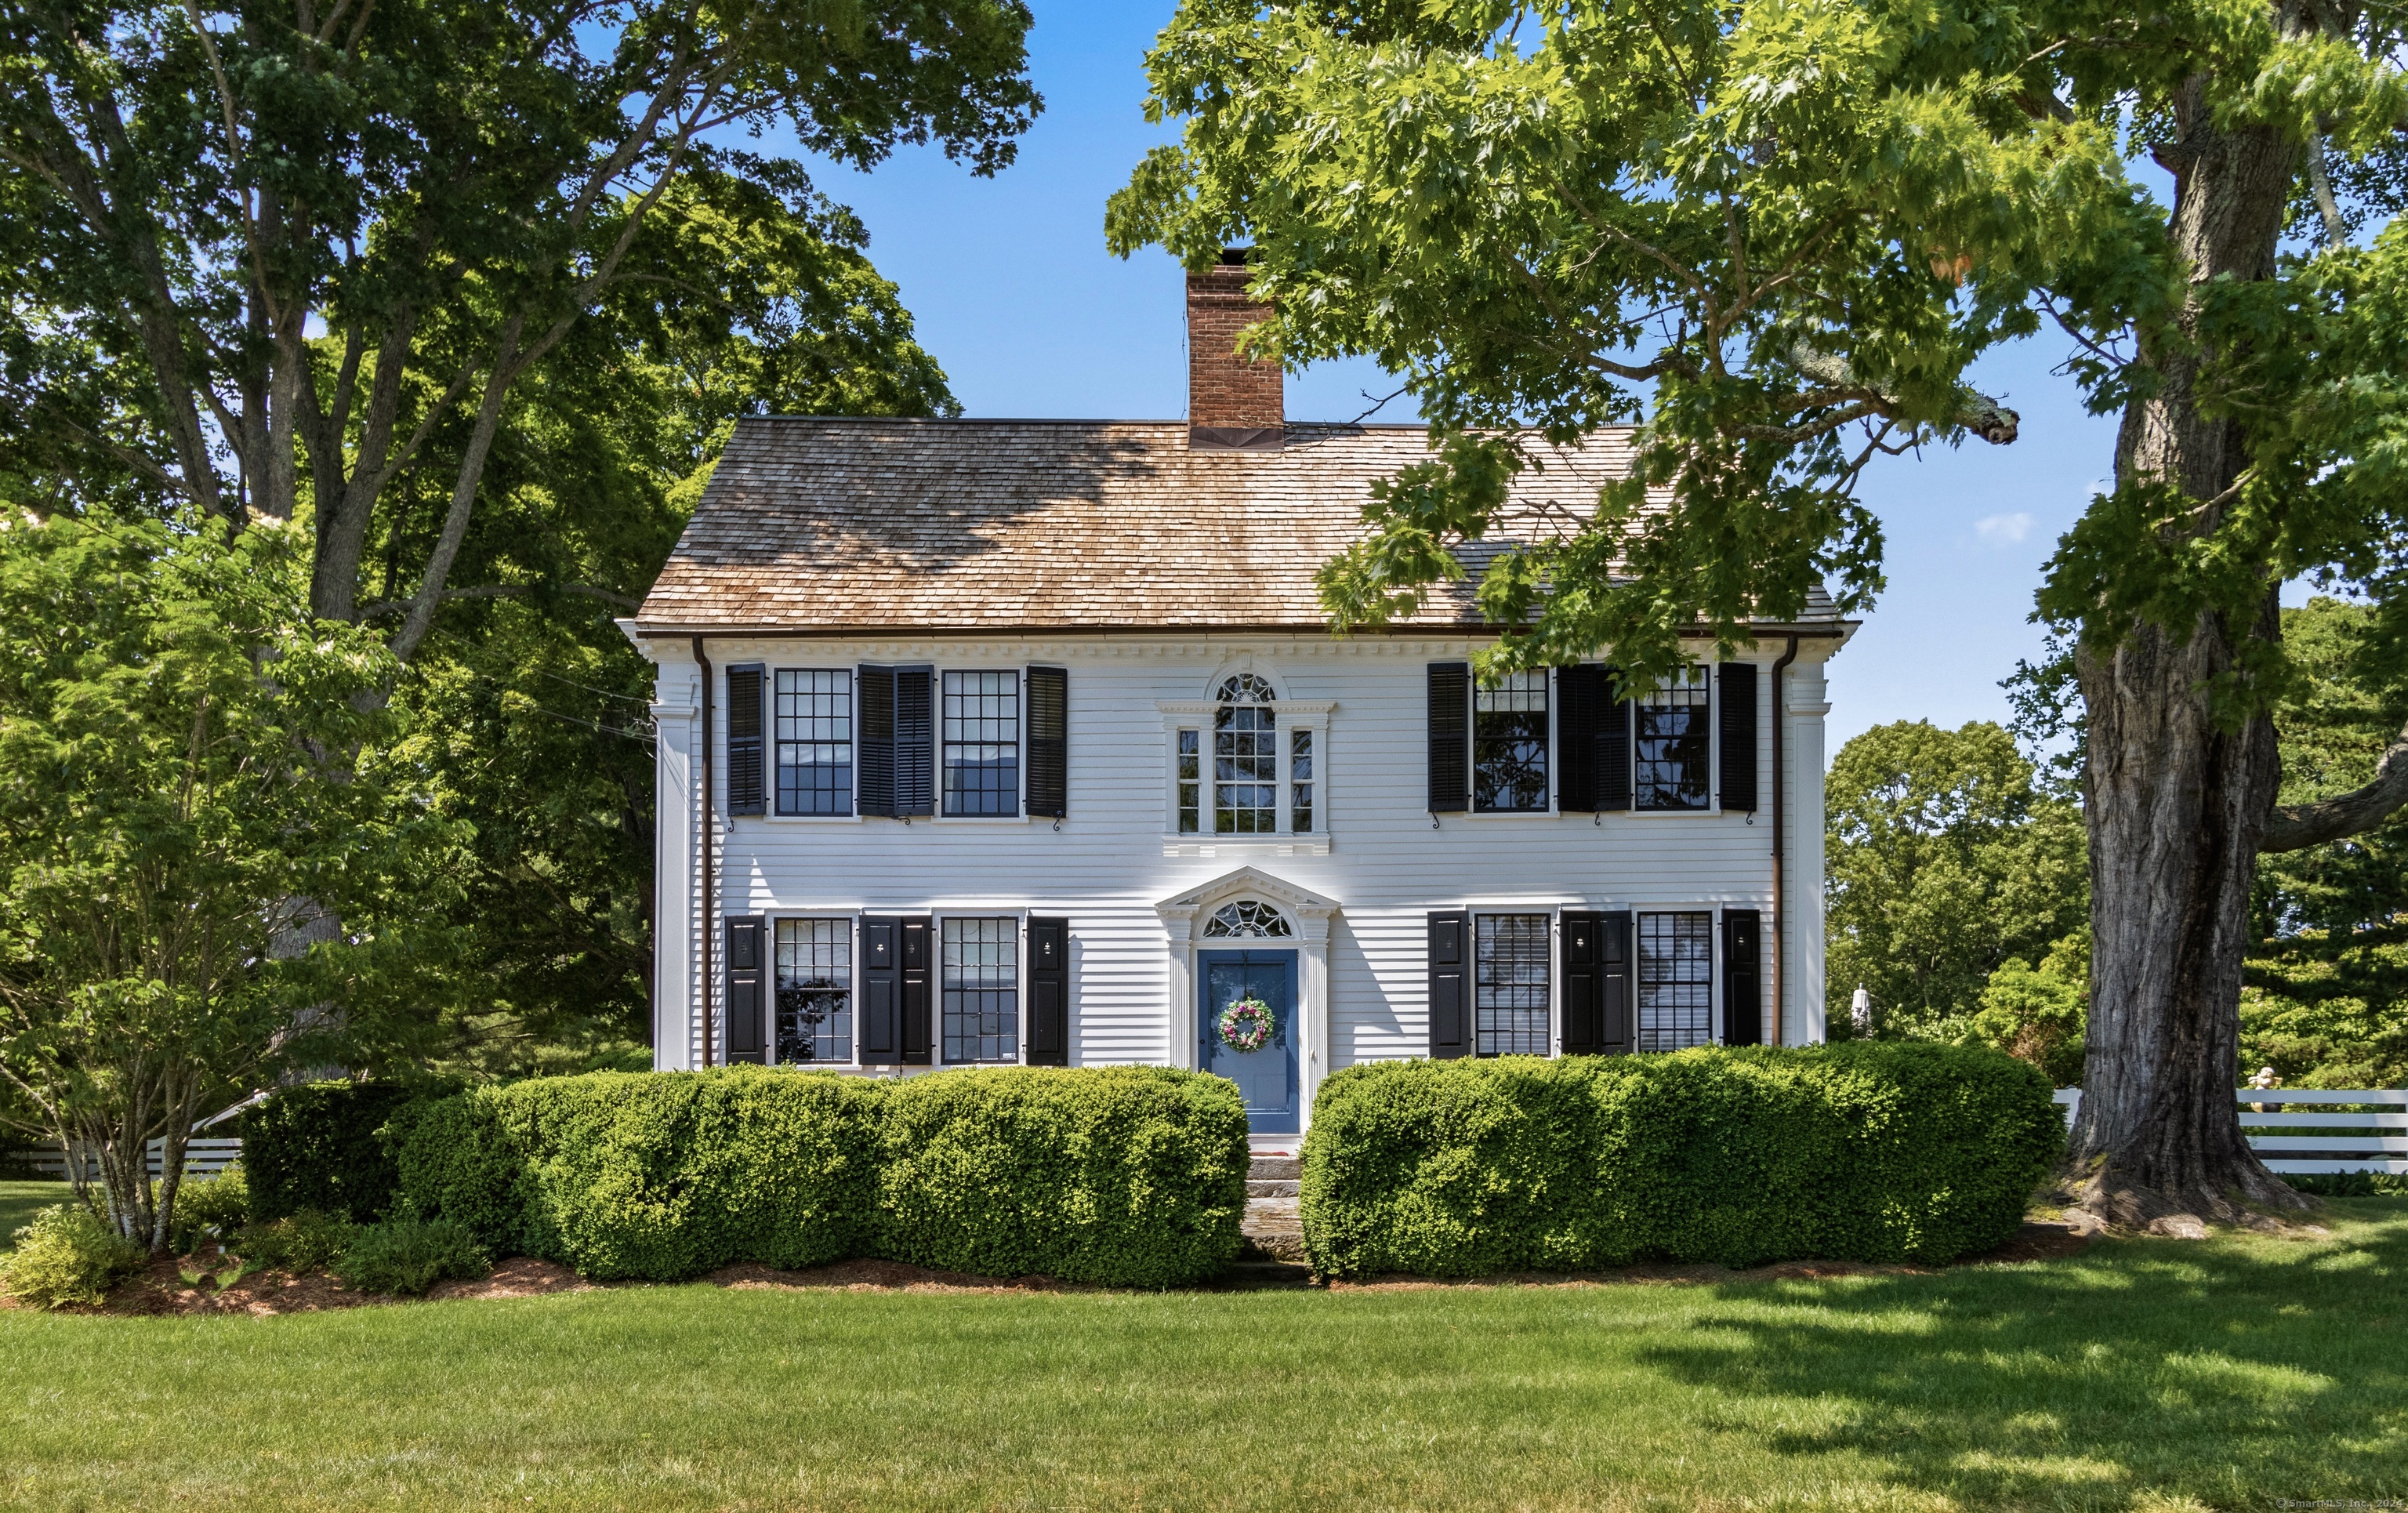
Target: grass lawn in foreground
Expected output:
[2142,1374]
[19,1202]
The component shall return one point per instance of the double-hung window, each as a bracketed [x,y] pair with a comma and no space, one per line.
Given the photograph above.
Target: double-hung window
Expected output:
[979,976]
[982,741]
[814,991]
[1672,743]
[1509,745]
[814,718]
[1510,985]
[1245,759]
[1676,980]
[1248,765]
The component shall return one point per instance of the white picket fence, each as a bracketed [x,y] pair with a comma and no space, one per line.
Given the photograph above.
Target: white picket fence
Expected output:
[2362,1140]
[203,1157]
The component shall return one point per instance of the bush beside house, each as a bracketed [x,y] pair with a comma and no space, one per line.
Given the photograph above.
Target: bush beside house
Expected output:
[1869,1151]
[315,1147]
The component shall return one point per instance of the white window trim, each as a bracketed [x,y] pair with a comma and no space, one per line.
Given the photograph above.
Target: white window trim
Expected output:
[1713,912]
[937,919]
[1714,805]
[936,758]
[851,918]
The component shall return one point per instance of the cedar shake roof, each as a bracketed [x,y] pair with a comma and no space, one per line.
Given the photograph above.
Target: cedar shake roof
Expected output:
[827,524]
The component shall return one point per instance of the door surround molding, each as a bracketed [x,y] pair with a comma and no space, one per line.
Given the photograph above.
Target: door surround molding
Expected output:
[1309,914]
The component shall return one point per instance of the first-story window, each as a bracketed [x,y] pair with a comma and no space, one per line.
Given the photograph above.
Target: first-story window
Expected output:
[1676,981]
[814,991]
[814,741]
[1511,985]
[982,721]
[1674,745]
[979,978]
[1508,744]
[1299,775]
[1191,784]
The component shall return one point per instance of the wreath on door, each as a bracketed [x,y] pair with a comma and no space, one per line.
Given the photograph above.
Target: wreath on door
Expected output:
[1247,1024]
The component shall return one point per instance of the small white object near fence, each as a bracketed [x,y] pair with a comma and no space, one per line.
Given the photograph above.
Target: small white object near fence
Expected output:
[205,1157]
[2375,1141]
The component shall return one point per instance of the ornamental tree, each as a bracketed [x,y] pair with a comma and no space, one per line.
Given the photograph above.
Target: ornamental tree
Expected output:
[1776,235]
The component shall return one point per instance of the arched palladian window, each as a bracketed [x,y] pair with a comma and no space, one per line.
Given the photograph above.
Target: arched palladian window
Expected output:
[1247,917]
[1245,757]
[1246,762]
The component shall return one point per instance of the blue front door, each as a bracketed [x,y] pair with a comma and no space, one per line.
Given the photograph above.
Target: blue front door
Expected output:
[1268,1076]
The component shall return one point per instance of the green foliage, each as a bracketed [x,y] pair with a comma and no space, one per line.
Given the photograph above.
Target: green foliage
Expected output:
[67,1255]
[220,1203]
[1866,1151]
[1943,860]
[2040,1014]
[2329,1008]
[407,1256]
[305,1242]
[1132,1177]
[1127,1176]
[315,1147]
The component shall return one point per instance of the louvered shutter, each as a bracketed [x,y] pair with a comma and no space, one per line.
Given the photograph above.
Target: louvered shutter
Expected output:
[1738,733]
[874,733]
[1049,992]
[1742,999]
[747,789]
[747,1037]
[1583,977]
[1450,984]
[1450,737]
[1617,1014]
[915,741]
[916,949]
[1612,746]
[882,978]
[1049,741]
[1579,691]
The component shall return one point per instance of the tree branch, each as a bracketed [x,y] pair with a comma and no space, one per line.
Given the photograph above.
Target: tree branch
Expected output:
[2295,827]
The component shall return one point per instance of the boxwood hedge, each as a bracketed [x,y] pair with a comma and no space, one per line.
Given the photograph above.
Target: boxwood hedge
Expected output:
[314,1145]
[1864,1151]
[1119,1176]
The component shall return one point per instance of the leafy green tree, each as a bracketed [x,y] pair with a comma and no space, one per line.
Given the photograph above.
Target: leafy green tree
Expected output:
[170,710]
[2039,1014]
[1943,862]
[1778,235]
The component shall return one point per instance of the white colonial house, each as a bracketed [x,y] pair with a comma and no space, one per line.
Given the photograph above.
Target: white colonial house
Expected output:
[1026,742]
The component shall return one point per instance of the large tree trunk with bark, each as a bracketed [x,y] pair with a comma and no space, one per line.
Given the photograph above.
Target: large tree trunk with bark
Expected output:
[2177,801]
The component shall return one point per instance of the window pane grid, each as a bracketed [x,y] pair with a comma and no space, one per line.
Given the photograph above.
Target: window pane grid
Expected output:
[1299,774]
[981,719]
[980,972]
[814,719]
[814,991]
[1190,780]
[1511,985]
[1676,976]
[1245,770]
[1673,744]
[1508,744]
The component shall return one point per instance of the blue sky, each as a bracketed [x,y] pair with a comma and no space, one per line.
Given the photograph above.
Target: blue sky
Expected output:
[1015,293]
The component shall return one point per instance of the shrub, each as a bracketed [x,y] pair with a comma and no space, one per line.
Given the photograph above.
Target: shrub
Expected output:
[1865,1151]
[307,1241]
[643,1174]
[316,1146]
[1132,1177]
[67,1255]
[204,1205]
[407,1256]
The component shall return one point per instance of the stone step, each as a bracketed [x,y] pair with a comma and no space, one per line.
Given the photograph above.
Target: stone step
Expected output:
[1275,1169]
[1265,1215]
[1271,1190]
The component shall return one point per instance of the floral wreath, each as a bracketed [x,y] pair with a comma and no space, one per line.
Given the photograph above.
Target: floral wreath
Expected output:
[1246,1024]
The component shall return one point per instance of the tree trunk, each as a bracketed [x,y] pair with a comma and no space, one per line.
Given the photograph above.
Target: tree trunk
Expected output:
[2176,801]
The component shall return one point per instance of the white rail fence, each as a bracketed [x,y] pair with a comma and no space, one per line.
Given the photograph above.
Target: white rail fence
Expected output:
[2301,1132]
[203,1157]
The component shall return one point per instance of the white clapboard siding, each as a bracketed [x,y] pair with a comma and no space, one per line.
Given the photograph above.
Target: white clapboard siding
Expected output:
[202,1157]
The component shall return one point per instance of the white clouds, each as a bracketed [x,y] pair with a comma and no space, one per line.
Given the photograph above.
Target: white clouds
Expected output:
[2003,531]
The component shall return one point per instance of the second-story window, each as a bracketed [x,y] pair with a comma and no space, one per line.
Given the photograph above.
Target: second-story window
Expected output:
[1191,781]
[1299,775]
[1508,744]
[1245,757]
[981,740]
[814,741]
[1673,744]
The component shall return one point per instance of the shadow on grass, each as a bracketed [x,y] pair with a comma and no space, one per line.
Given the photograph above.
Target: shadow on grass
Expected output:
[2237,1371]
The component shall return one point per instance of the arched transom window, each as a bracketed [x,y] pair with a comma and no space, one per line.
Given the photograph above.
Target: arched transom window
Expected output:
[1245,688]
[1247,917]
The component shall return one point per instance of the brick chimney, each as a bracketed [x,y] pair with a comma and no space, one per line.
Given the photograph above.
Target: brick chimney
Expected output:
[1234,404]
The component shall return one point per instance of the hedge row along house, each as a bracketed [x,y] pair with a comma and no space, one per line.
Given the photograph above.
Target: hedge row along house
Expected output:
[1026,742]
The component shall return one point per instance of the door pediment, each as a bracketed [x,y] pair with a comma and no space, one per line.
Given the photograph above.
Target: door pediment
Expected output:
[1310,910]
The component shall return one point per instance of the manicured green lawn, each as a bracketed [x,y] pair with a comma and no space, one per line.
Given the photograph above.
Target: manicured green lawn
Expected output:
[18,1201]
[2230,1372]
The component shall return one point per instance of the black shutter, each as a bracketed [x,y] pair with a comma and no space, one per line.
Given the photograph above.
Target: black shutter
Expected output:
[1612,746]
[1583,974]
[1450,984]
[1450,737]
[1616,1017]
[1049,992]
[1743,1000]
[747,792]
[874,732]
[1048,742]
[747,1033]
[915,741]
[1579,692]
[881,977]
[913,999]
[1738,733]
